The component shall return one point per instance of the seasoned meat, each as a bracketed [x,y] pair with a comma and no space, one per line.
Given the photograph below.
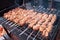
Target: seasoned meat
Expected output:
[37,21]
[53,19]
[36,27]
[32,15]
[16,20]
[41,29]
[49,28]
[45,23]
[50,17]
[23,21]
[32,23]
[44,33]
[41,21]
[45,16]
[2,31]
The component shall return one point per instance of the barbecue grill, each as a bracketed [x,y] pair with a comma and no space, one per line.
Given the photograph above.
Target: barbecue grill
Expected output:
[15,32]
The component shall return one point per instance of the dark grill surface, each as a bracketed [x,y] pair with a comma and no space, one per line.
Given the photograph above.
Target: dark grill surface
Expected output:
[25,33]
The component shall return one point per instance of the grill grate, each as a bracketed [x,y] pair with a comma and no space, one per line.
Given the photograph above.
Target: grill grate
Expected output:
[25,33]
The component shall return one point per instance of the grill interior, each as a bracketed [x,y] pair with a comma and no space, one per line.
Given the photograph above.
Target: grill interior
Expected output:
[25,33]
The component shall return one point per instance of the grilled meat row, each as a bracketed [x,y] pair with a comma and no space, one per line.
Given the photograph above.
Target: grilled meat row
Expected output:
[37,21]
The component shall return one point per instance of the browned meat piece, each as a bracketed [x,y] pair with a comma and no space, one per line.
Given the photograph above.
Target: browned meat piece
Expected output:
[21,22]
[25,13]
[53,19]
[49,18]
[45,16]
[16,20]
[49,28]
[49,24]
[32,23]
[42,28]
[44,33]
[2,31]
[6,16]
[47,31]
[45,23]
[12,17]
[19,12]
[41,21]
[36,27]
[21,15]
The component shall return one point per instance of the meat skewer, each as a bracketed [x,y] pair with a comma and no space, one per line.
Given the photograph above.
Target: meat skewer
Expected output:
[36,27]
[19,12]
[21,16]
[45,16]
[32,18]
[42,19]
[39,27]
[47,30]
[49,26]
[13,16]
[23,21]
[42,28]
[7,15]
[44,33]
[45,23]
[53,19]
[35,20]
[49,18]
